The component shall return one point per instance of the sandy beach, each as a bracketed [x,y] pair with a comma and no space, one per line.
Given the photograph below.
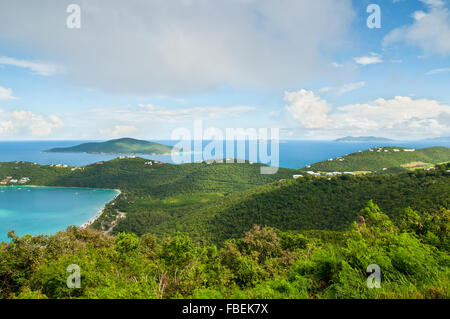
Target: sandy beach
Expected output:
[100,212]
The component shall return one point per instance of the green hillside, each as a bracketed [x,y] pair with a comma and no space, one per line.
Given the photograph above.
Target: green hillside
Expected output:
[306,204]
[263,263]
[141,176]
[189,232]
[377,159]
[119,146]
[153,192]
[214,202]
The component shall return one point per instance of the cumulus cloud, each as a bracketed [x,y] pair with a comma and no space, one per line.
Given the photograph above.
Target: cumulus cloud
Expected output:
[309,109]
[179,46]
[45,69]
[430,30]
[396,117]
[26,123]
[6,94]
[372,58]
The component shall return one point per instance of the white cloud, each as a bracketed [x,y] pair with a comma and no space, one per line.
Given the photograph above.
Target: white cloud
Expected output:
[309,109]
[372,58]
[336,65]
[119,130]
[397,117]
[349,87]
[26,123]
[430,30]
[179,46]
[149,113]
[45,69]
[433,3]
[6,94]
[437,71]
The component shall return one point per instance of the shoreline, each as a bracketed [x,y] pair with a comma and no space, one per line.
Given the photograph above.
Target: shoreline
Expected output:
[100,211]
[45,186]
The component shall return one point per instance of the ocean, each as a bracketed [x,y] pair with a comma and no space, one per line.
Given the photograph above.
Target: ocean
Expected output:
[292,154]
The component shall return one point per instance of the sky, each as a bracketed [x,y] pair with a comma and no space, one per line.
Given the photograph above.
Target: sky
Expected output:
[313,69]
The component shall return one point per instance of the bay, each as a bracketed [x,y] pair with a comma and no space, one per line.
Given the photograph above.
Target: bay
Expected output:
[46,210]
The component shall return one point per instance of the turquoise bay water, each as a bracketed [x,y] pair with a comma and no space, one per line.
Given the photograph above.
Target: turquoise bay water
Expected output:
[46,210]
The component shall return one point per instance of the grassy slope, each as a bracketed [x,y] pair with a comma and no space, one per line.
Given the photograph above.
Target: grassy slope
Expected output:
[376,161]
[119,146]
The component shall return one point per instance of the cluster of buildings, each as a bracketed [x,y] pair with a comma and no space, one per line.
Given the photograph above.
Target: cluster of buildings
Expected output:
[380,149]
[66,166]
[59,165]
[330,174]
[153,162]
[126,156]
[11,180]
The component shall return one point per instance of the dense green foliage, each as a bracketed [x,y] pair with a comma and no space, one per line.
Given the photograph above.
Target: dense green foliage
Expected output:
[119,146]
[134,176]
[185,234]
[383,158]
[265,263]
[215,202]
[302,204]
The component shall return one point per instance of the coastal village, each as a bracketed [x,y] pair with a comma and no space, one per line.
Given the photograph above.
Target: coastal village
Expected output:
[11,180]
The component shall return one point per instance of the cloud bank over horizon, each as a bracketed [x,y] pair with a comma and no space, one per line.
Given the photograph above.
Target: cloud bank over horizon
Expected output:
[401,116]
[181,46]
[143,68]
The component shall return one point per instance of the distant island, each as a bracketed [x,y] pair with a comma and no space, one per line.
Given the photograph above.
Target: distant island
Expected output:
[118,146]
[438,139]
[363,139]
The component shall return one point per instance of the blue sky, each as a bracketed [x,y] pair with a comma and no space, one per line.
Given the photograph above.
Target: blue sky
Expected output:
[141,69]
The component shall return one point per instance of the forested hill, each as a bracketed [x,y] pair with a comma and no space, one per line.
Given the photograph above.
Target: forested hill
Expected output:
[381,158]
[118,146]
[215,202]
[309,203]
[139,176]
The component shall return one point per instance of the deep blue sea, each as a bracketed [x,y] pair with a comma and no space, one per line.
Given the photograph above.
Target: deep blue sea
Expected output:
[292,154]
[46,210]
